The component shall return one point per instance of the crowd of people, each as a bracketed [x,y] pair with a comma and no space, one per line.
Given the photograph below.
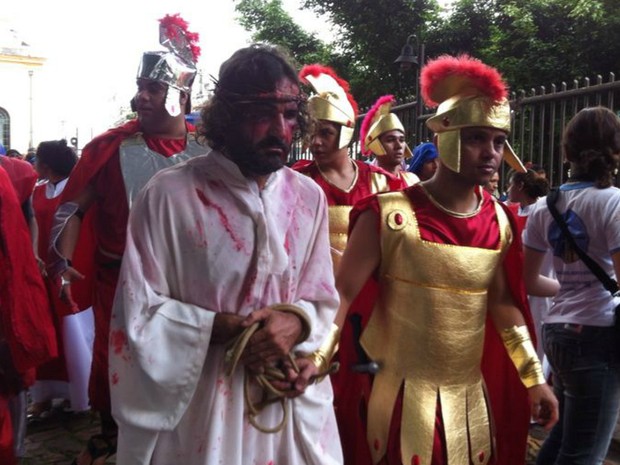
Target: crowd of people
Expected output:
[215,305]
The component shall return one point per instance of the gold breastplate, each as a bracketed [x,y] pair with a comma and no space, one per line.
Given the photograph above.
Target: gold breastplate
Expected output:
[427,333]
[338,231]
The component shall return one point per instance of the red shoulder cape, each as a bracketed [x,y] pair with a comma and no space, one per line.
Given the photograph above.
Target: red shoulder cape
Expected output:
[508,396]
[94,156]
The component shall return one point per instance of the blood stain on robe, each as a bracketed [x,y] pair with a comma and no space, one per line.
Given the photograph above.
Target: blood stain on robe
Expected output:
[198,236]
[118,340]
[239,245]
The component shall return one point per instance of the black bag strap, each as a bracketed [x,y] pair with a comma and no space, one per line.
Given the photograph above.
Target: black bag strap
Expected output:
[610,284]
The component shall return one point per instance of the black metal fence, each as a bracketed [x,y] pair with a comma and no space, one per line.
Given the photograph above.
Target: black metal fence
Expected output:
[539,117]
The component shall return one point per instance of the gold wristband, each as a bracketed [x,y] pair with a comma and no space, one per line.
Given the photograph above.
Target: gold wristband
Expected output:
[306,327]
[323,355]
[522,353]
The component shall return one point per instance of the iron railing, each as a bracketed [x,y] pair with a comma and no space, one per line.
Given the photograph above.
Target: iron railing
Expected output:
[539,117]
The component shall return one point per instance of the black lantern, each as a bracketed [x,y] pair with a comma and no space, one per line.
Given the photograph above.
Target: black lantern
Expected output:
[408,58]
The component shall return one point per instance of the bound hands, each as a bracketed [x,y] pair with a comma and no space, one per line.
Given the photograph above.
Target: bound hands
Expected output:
[278,333]
[272,344]
[543,405]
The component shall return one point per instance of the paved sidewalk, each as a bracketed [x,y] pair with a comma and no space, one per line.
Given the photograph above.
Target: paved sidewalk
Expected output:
[58,439]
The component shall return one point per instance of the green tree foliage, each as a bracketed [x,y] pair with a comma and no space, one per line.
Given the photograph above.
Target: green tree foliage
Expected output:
[269,23]
[540,42]
[533,42]
[368,38]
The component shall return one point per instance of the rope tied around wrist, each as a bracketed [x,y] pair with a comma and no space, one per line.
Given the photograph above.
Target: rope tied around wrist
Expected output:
[270,394]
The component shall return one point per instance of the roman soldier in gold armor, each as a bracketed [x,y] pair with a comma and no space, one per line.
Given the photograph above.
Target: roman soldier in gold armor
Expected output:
[447,260]
[383,135]
[345,181]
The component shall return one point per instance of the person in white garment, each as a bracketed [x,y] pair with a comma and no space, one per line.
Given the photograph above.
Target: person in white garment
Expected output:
[217,247]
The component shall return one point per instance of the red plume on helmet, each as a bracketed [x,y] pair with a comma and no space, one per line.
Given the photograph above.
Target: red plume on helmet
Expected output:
[172,25]
[370,118]
[447,76]
[317,70]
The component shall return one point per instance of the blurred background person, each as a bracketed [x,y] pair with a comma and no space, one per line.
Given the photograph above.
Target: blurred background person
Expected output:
[65,377]
[12,153]
[424,161]
[383,135]
[524,189]
[492,187]
[579,335]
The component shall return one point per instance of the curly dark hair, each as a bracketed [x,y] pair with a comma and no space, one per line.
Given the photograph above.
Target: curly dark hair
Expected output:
[534,185]
[248,72]
[58,156]
[591,143]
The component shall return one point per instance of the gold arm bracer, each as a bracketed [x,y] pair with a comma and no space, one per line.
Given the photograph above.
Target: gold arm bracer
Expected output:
[522,353]
[323,355]
[306,326]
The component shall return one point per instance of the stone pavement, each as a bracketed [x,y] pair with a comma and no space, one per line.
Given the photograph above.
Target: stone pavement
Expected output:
[58,439]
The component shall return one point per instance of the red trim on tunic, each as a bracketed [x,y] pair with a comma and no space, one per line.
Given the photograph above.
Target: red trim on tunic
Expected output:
[362,188]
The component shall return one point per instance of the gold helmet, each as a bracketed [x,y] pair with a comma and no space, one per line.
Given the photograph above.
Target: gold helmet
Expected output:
[467,93]
[378,121]
[332,101]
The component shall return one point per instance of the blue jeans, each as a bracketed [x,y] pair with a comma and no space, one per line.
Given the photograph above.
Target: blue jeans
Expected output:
[586,381]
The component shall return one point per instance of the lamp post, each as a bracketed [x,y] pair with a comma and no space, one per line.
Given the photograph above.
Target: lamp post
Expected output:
[412,57]
[31,142]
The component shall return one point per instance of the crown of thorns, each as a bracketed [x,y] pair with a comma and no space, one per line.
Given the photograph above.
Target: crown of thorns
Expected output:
[256,95]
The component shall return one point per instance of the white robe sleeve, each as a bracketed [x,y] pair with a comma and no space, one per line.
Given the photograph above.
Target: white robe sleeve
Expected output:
[158,345]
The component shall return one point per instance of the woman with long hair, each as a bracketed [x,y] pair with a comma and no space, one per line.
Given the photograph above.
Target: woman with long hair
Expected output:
[578,335]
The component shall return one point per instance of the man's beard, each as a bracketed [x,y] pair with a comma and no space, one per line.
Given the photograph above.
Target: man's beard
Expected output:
[253,160]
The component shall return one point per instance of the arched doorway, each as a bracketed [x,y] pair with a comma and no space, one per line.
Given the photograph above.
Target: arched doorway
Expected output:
[5,128]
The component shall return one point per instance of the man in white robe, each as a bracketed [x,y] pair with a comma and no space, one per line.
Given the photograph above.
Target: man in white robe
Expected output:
[212,246]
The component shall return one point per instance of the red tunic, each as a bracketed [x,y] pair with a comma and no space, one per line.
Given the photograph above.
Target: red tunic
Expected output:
[44,210]
[361,189]
[508,396]
[99,166]
[351,389]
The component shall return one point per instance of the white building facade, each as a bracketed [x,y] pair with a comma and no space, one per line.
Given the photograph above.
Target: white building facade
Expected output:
[19,72]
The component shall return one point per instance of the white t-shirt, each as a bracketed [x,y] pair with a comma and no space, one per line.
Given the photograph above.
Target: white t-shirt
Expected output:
[593,216]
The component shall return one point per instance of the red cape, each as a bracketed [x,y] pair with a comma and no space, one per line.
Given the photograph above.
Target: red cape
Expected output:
[508,396]
[94,156]
[24,309]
